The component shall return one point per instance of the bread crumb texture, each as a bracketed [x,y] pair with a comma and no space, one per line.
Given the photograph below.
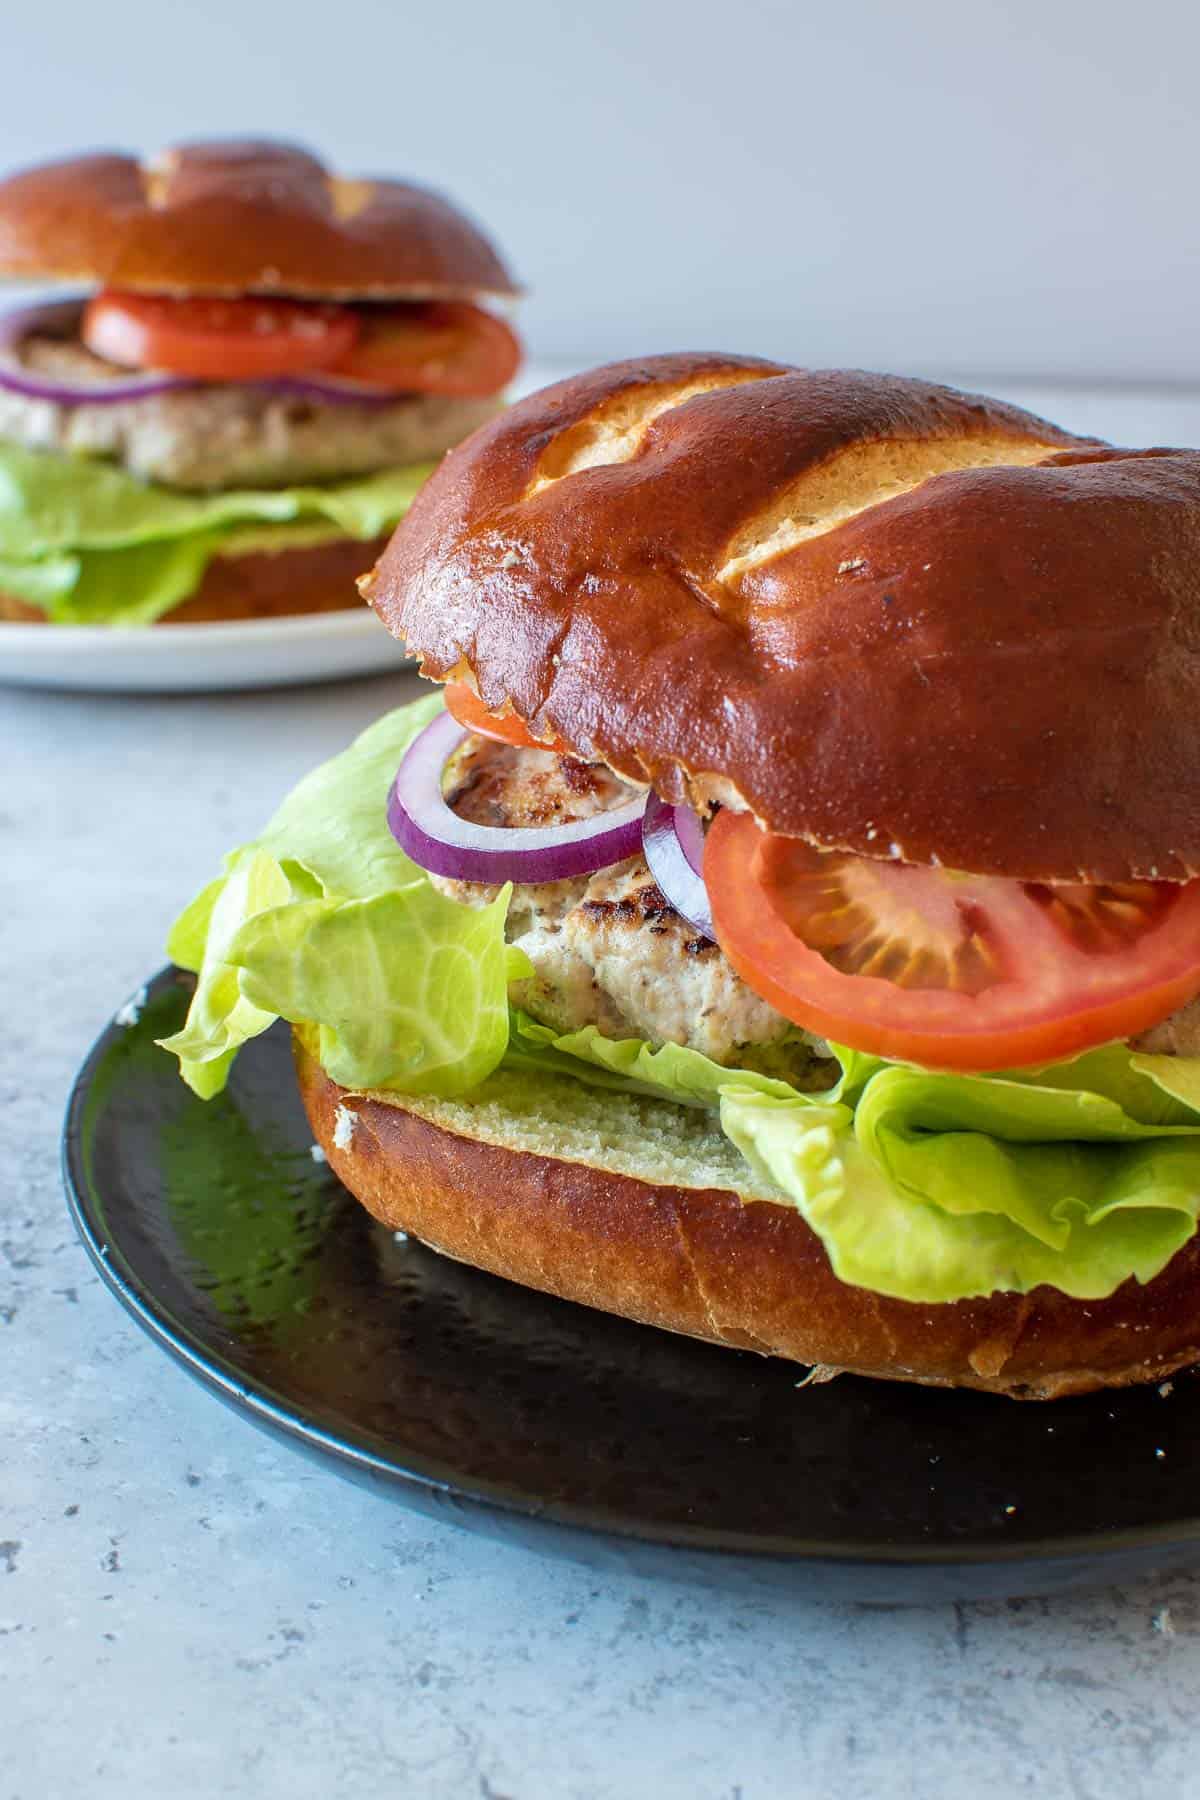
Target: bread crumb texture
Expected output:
[655,1141]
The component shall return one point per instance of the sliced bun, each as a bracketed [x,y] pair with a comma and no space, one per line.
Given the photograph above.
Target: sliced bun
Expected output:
[259,585]
[237,217]
[884,616]
[275,584]
[640,1208]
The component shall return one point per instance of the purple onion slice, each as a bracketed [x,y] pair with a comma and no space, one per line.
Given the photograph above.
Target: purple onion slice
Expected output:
[673,844]
[60,318]
[438,840]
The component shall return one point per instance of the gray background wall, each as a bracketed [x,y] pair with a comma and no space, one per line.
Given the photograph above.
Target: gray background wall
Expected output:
[943,185]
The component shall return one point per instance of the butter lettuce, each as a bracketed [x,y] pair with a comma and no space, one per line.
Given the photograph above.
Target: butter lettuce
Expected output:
[91,545]
[1117,1213]
[928,1187]
[221,1018]
[410,990]
[323,920]
[663,1072]
[935,1187]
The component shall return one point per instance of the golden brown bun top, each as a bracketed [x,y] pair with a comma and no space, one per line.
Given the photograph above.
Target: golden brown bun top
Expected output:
[236,217]
[885,616]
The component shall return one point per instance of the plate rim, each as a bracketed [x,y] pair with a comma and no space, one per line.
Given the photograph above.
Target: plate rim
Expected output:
[346,621]
[265,1406]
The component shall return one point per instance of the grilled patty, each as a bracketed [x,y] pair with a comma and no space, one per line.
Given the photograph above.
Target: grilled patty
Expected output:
[224,435]
[607,949]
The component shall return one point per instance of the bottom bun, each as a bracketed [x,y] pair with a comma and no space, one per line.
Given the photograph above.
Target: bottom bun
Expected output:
[260,584]
[641,1208]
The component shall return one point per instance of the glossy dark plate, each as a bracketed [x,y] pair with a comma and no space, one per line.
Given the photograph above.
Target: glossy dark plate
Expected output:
[563,1428]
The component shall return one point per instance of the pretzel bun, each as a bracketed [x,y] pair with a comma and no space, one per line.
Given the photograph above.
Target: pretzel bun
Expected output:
[641,1208]
[884,616]
[235,217]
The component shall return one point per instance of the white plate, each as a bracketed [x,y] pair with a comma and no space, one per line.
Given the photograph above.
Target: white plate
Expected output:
[165,659]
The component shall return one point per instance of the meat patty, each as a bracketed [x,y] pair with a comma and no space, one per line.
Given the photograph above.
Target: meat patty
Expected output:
[607,949]
[222,435]
[1177,1035]
[502,785]
[672,984]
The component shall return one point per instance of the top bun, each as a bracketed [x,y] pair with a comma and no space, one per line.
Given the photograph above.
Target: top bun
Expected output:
[884,616]
[240,217]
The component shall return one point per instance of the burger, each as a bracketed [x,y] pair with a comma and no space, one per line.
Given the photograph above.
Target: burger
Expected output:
[782,925]
[264,363]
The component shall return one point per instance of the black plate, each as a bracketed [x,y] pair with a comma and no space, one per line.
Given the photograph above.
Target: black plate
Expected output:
[574,1432]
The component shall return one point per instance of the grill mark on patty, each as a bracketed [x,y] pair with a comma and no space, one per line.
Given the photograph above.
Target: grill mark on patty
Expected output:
[645,907]
[584,777]
[501,786]
[649,907]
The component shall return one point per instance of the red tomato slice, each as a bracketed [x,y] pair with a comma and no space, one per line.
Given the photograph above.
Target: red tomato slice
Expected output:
[464,704]
[242,339]
[442,347]
[954,971]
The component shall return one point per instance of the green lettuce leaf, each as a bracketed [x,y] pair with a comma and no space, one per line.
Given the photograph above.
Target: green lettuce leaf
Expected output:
[665,1072]
[1136,1208]
[134,586]
[51,503]
[934,1187]
[333,825]
[43,583]
[221,1018]
[90,544]
[323,920]
[409,989]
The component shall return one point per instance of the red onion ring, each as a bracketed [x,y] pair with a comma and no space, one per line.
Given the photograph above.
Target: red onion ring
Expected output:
[673,845]
[60,318]
[438,840]
[690,833]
